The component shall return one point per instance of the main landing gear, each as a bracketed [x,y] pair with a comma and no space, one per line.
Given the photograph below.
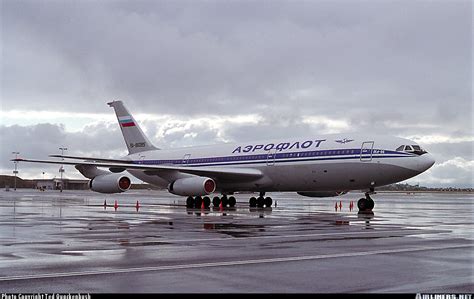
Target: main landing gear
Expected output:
[366,204]
[260,201]
[197,202]
[227,201]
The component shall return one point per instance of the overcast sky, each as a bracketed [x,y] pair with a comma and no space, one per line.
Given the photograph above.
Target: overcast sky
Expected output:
[204,72]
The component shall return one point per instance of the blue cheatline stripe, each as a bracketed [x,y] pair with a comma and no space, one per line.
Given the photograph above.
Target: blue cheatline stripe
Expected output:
[322,155]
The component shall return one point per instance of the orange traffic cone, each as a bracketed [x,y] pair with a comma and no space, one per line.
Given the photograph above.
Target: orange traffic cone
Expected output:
[116,206]
[137,205]
[335,206]
[340,206]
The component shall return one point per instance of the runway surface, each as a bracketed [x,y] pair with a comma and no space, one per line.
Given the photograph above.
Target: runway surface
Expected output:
[68,242]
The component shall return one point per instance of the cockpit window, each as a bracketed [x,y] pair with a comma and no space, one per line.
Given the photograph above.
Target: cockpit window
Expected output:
[415,149]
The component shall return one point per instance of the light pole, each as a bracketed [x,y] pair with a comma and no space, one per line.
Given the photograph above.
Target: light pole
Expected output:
[15,172]
[61,169]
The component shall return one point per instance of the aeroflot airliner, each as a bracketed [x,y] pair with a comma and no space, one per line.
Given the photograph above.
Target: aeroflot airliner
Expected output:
[314,166]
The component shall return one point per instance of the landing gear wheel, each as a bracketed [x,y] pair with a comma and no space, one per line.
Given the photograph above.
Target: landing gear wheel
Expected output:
[362,204]
[198,202]
[253,202]
[216,201]
[190,202]
[232,201]
[260,202]
[207,201]
[268,202]
[365,204]
[370,204]
[225,201]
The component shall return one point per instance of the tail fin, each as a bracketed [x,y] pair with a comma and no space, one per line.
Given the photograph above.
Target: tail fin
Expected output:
[134,138]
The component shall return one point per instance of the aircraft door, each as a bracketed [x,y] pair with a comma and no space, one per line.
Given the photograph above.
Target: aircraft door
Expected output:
[271,157]
[186,159]
[366,151]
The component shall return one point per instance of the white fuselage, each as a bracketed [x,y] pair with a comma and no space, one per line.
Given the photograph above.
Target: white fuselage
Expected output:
[339,162]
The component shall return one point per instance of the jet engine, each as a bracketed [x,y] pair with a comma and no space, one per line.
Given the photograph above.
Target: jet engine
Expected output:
[192,186]
[110,183]
[322,193]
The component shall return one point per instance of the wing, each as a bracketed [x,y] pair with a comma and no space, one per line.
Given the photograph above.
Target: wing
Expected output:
[219,173]
[92,159]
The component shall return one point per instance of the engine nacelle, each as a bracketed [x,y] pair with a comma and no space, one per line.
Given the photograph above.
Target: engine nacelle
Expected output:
[110,183]
[193,186]
[321,193]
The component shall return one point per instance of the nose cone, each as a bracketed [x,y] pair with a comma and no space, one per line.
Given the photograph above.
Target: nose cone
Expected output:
[425,162]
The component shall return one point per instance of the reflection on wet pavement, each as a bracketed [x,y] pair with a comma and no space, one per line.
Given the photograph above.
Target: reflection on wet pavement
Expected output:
[51,232]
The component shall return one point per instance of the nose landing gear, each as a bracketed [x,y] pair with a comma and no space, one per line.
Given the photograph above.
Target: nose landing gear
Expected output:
[366,204]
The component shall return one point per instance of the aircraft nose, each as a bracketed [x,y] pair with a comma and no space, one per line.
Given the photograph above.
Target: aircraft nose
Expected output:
[426,161]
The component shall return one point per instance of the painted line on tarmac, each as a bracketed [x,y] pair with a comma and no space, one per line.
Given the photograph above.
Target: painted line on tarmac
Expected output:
[350,234]
[230,263]
[360,233]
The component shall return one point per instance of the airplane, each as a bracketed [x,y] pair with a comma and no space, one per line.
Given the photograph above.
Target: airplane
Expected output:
[313,166]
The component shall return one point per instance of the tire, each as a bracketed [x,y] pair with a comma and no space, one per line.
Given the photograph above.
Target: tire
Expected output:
[252,202]
[362,204]
[268,202]
[232,201]
[225,201]
[190,202]
[260,202]
[207,201]
[198,202]
[216,201]
[370,204]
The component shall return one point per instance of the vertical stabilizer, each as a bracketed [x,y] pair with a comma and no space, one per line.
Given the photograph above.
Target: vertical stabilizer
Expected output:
[133,135]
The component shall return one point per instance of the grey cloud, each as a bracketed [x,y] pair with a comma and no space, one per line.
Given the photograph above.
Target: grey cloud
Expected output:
[175,58]
[200,134]
[36,139]
[448,174]
[35,142]
[39,141]
[448,151]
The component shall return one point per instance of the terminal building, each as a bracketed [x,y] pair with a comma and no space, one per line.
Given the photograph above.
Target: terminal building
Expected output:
[68,184]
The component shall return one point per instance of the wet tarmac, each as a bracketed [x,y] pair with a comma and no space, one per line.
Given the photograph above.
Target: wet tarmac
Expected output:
[68,242]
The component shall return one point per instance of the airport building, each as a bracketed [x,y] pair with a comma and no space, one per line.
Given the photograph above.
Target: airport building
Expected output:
[68,184]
